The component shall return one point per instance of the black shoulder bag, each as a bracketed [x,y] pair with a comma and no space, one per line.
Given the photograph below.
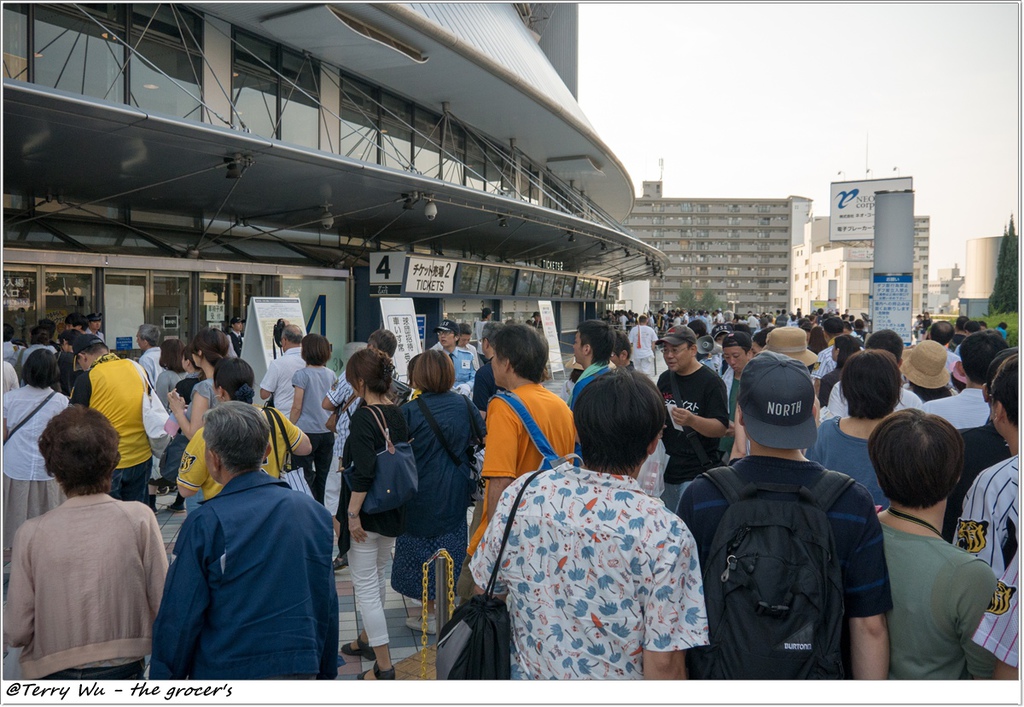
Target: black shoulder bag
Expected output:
[475,643]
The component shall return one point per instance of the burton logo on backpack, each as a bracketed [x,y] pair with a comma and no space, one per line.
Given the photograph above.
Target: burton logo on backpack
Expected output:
[773,586]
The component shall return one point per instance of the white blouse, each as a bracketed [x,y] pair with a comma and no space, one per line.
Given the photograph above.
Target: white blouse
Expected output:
[22,459]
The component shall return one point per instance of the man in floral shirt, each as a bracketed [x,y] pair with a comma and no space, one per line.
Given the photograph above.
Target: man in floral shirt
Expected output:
[603,582]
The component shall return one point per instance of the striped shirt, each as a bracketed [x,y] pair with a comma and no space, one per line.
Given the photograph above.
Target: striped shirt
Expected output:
[990,518]
[999,628]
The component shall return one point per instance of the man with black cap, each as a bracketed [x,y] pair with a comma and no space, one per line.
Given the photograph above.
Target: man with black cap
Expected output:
[235,333]
[775,408]
[115,386]
[447,337]
[698,408]
[95,322]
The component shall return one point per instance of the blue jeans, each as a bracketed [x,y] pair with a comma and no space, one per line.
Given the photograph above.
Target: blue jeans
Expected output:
[132,482]
[672,494]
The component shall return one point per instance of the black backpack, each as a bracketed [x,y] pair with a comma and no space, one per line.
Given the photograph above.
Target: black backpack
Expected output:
[773,586]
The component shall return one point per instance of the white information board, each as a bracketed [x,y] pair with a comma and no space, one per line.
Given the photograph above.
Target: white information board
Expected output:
[263,313]
[852,207]
[892,305]
[430,276]
[399,317]
[547,318]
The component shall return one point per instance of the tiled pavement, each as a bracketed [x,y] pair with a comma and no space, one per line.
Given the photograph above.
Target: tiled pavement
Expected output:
[404,642]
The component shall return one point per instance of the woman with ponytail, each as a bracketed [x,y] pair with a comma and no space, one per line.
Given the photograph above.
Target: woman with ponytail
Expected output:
[369,538]
[233,380]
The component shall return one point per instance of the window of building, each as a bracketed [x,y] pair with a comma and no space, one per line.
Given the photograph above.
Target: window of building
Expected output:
[15,38]
[733,220]
[453,156]
[395,135]
[703,208]
[733,208]
[702,221]
[764,222]
[254,86]
[685,206]
[299,119]
[359,120]
[73,53]
[170,38]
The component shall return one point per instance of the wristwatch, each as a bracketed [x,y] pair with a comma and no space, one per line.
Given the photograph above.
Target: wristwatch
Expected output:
[353,515]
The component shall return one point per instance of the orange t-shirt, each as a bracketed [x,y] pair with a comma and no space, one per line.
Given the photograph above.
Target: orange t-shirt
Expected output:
[510,451]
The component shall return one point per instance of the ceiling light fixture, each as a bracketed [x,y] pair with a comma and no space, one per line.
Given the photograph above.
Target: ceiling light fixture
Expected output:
[430,210]
[326,219]
[150,86]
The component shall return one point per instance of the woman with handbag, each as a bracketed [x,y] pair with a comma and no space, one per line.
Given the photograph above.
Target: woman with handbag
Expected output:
[368,538]
[28,490]
[443,425]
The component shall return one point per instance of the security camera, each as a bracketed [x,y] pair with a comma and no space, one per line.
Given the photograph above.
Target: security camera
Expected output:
[430,210]
[326,219]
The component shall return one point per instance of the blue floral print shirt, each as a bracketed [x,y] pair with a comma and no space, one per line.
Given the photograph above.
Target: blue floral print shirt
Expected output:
[596,572]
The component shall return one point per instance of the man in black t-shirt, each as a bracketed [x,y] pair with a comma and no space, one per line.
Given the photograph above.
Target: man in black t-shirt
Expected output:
[698,405]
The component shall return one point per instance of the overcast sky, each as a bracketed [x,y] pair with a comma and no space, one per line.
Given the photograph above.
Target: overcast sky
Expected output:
[773,100]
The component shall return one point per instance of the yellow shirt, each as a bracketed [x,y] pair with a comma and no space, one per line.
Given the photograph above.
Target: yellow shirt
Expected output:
[194,475]
[510,450]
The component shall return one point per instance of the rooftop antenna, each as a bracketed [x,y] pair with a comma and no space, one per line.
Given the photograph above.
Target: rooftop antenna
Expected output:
[661,169]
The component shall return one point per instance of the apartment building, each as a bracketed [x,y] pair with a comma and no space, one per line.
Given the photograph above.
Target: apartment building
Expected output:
[738,248]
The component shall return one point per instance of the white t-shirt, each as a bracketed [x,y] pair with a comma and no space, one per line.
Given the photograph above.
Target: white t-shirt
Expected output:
[279,378]
[22,459]
[10,377]
[150,360]
[963,411]
[753,322]
[642,337]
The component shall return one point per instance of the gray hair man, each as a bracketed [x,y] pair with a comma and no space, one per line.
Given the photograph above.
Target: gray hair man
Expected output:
[280,543]
[278,380]
[148,339]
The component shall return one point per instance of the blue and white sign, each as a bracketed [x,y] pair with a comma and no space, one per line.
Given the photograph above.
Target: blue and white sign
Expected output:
[421,326]
[123,343]
[852,207]
[892,305]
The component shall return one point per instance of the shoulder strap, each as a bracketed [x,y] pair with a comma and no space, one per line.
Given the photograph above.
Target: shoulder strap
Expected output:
[508,529]
[539,440]
[727,481]
[827,490]
[382,425]
[437,430]
[30,416]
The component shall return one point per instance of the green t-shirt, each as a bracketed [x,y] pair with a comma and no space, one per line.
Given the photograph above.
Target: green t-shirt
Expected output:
[939,593]
[725,445]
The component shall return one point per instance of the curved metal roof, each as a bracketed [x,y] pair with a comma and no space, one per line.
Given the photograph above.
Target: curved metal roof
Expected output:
[480,59]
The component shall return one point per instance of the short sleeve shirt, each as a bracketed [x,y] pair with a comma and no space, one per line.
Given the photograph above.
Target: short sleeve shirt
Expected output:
[340,394]
[825,364]
[999,629]
[855,527]
[22,459]
[596,573]
[193,473]
[315,382]
[990,514]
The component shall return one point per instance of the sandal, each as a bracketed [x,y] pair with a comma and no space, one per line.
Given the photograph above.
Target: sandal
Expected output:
[379,674]
[340,562]
[363,649]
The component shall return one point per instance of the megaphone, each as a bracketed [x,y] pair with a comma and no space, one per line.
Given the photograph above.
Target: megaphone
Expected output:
[707,346]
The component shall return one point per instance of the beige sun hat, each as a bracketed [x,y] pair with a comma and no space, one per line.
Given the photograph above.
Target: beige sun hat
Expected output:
[792,342]
[925,365]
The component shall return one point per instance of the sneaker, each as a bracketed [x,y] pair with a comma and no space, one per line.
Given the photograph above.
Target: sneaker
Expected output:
[416,624]
[177,507]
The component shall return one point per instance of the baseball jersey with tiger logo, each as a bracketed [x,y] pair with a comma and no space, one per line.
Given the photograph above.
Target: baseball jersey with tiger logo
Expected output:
[999,630]
[988,523]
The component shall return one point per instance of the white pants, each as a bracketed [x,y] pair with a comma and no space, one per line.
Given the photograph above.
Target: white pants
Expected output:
[368,561]
[645,365]
[332,494]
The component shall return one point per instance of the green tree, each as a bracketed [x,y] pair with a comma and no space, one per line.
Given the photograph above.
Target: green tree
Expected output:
[687,299]
[709,301]
[1005,295]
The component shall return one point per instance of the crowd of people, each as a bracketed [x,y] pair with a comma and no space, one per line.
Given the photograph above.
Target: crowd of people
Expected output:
[832,504]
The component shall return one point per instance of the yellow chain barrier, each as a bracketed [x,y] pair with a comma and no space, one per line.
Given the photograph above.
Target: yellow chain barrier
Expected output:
[424,613]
